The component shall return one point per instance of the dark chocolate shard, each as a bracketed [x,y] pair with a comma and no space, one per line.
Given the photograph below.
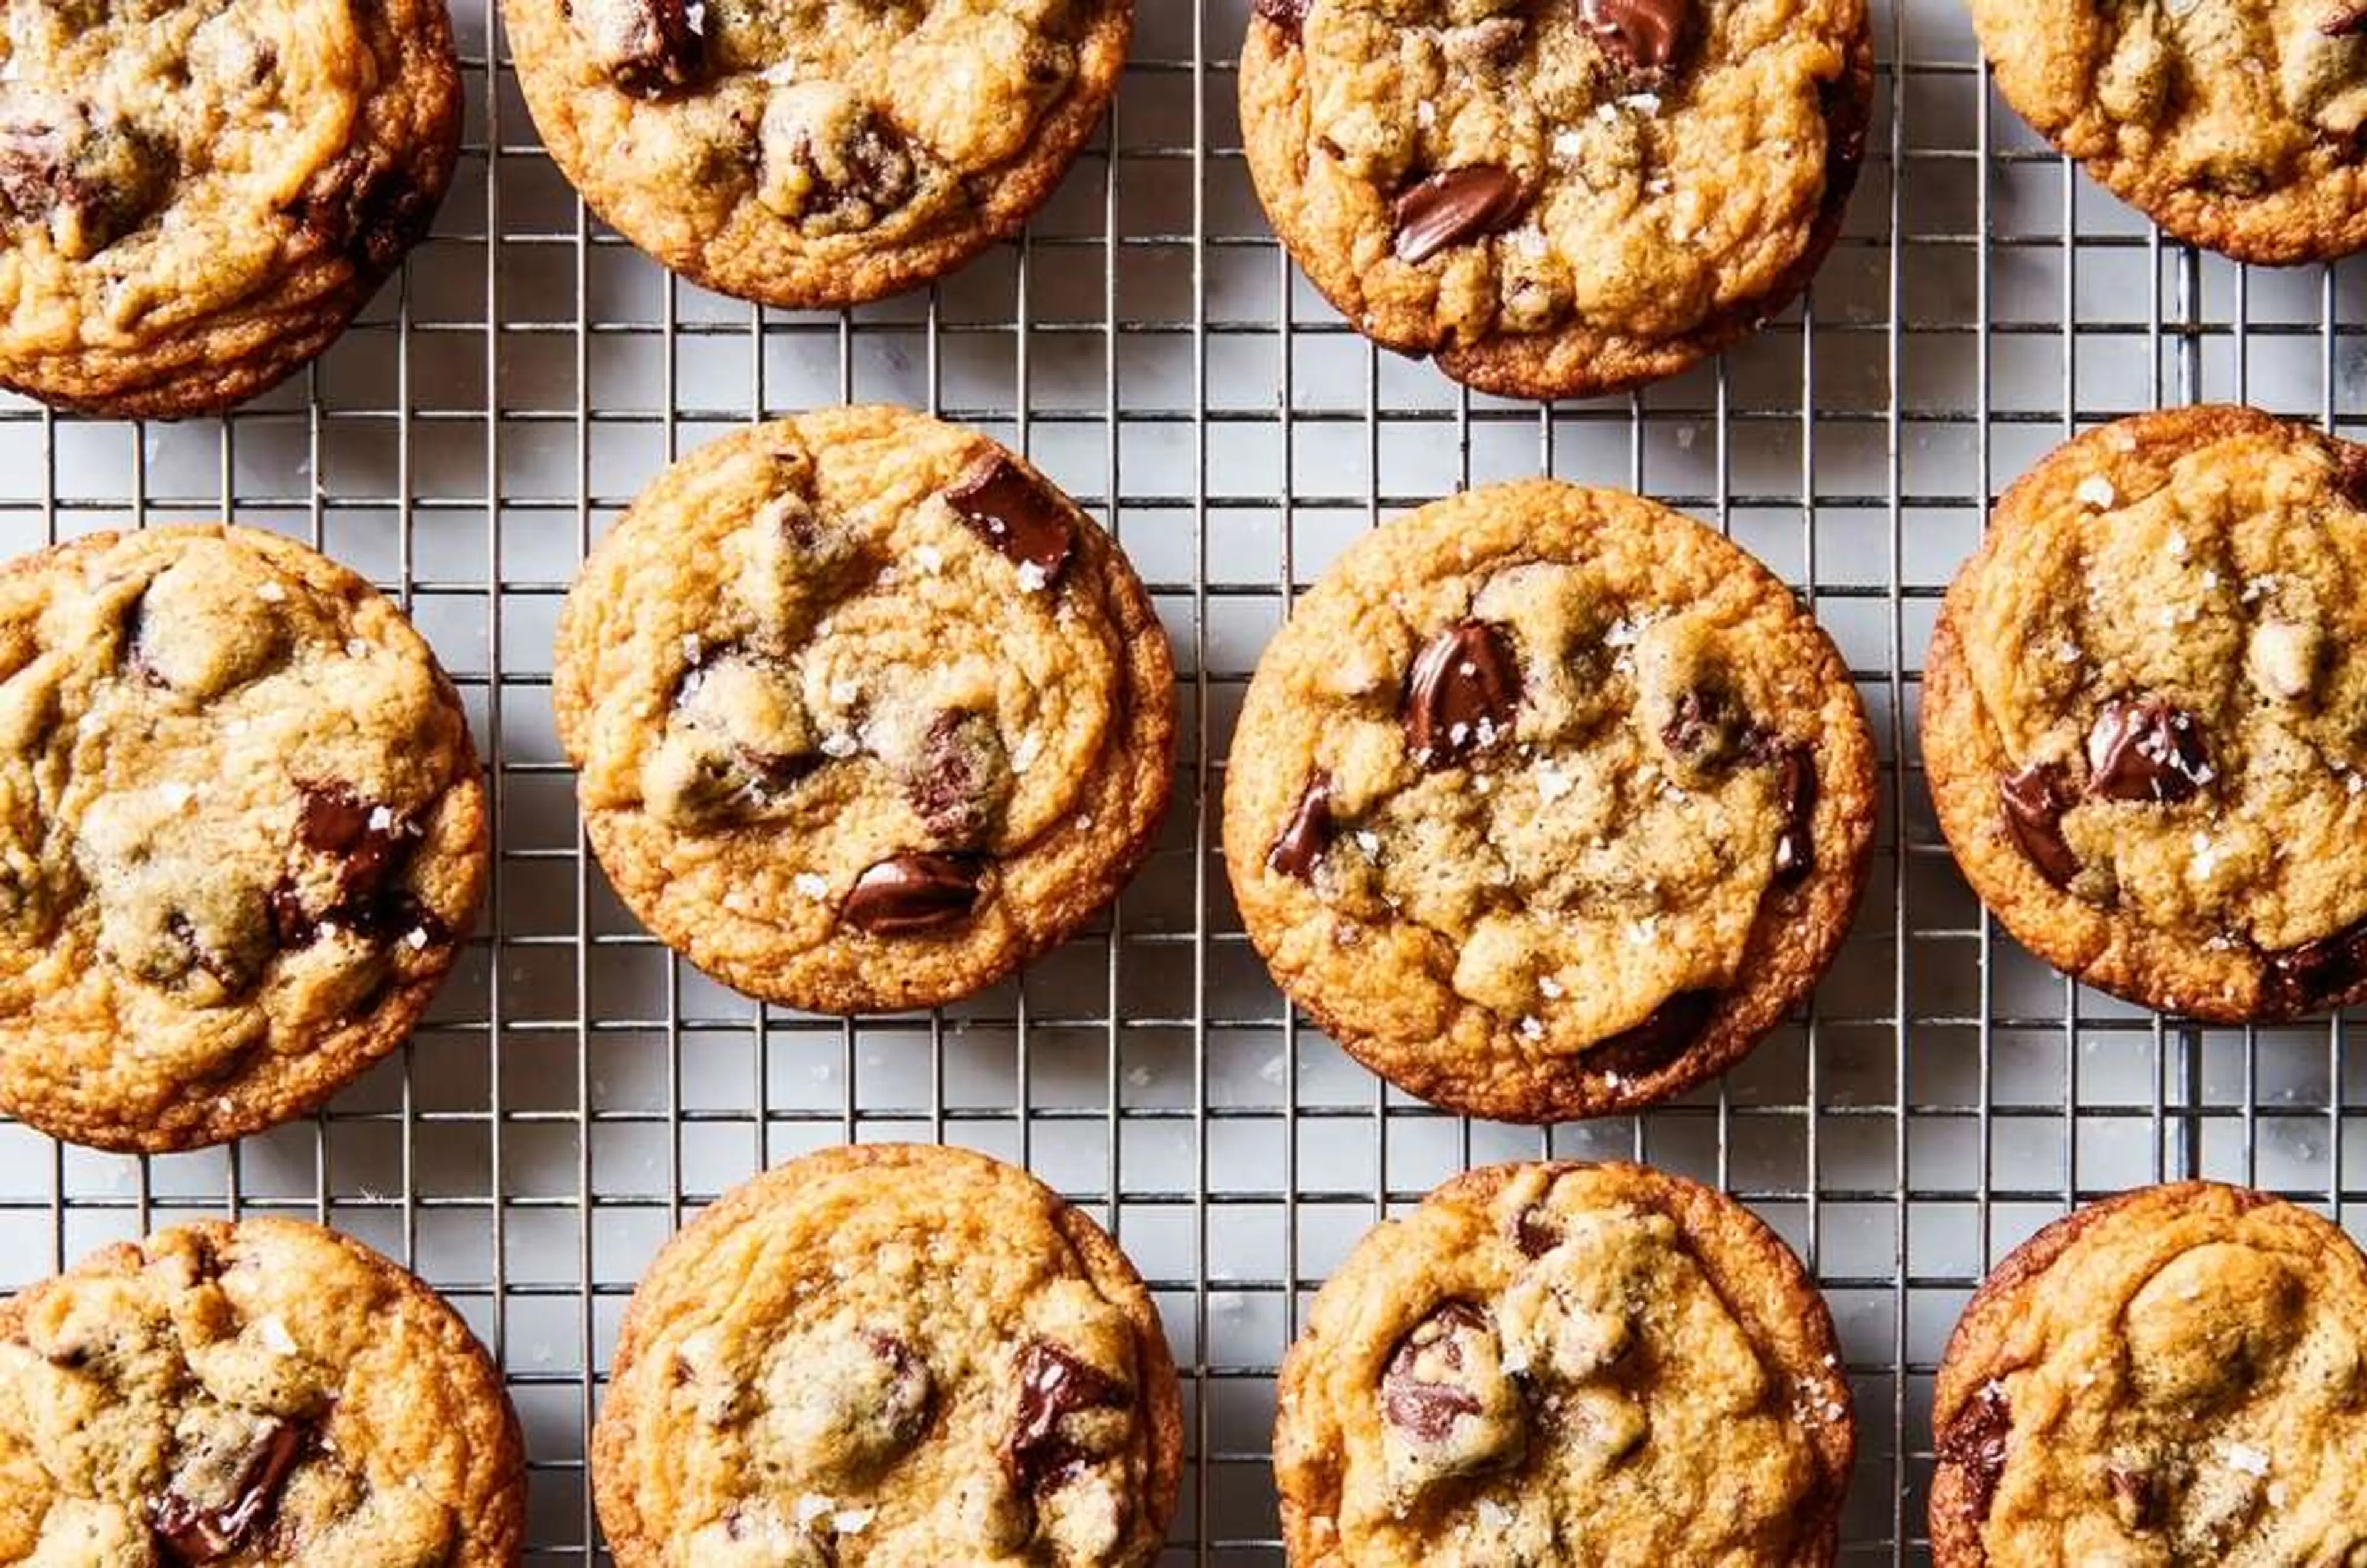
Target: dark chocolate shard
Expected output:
[1013,511]
[1796,798]
[905,1412]
[1307,834]
[1290,16]
[648,48]
[1461,695]
[2035,800]
[1450,207]
[1974,1443]
[1424,1410]
[910,895]
[2144,749]
[190,1532]
[2315,974]
[1659,1040]
[1041,1451]
[368,842]
[1642,35]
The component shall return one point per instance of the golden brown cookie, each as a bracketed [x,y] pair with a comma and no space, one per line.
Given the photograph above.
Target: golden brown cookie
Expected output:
[815,153]
[2176,1376]
[259,1392]
[1557,197]
[242,833]
[195,195]
[889,1354]
[2145,715]
[868,712]
[1548,802]
[2235,124]
[1555,1363]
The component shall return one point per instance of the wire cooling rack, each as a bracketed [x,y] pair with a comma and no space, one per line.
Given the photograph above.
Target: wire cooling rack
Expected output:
[576,1092]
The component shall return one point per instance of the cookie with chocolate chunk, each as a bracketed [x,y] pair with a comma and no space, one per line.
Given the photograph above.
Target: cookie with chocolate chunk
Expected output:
[1556,201]
[196,196]
[243,833]
[815,153]
[893,1353]
[868,712]
[2145,715]
[1548,802]
[2176,1375]
[1530,1366]
[2240,125]
[263,1392]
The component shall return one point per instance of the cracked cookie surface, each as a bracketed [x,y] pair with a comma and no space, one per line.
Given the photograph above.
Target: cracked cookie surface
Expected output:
[2235,124]
[868,712]
[196,196]
[242,833]
[260,1393]
[2176,1376]
[1548,802]
[889,1354]
[1557,197]
[2146,714]
[815,153]
[1552,1363]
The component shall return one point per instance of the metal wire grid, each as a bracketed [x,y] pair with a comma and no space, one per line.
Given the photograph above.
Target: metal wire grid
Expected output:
[576,1092]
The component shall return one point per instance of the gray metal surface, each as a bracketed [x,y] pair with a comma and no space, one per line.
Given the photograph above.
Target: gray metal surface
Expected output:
[577,1092]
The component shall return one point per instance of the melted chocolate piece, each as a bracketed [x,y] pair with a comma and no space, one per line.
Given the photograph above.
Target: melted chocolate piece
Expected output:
[648,47]
[1290,16]
[1642,35]
[1704,727]
[1461,694]
[1307,834]
[2344,20]
[2035,800]
[368,841]
[1796,795]
[1011,512]
[1657,1041]
[90,179]
[1426,1412]
[1448,208]
[957,782]
[2144,748]
[909,1388]
[2305,978]
[1054,1384]
[188,1532]
[1535,1232]
[369,211]
[1974,1443]
[912,894]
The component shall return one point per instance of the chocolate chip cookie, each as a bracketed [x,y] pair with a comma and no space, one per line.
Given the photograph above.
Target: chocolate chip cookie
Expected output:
[1548,802]
[195,195]
[1557,197]
[815,153]
[242,833]
[868,712]
[2236,124]
[2144,717]
[265,1391]
[889,1354]
[1556,1364]
[2177,1375]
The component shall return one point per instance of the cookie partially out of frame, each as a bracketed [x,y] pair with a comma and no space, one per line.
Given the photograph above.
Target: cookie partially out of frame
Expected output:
[889,1354]
[1557,200]
[242,834]
[2145,717]
[2237,124]
[1555,1363]
[1548,802]
[196,196]
[815,153]
[2176,1375]
[868,712]
[267,1391]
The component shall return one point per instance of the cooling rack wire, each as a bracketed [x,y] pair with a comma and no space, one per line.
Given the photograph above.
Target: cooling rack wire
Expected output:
[576,1092]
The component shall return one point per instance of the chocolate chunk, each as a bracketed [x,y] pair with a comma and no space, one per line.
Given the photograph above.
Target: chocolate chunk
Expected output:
[368,842]
[2305,978]
[960,779]
[2144,748]
[2136,1496]
[1660,1039]
[1461,694]
[192,1533]
[1448,208]
[91,178]
[1704,727]
[911,894]
[2344,20]
[1290,16]
[1795,797]
[830,162]
[647,47]
[1011,510]
[905,1410]
[2035,800]
[364,209]
[1424,1411]
[1535,1231]
[1641,36]
[1974,1443]
[1307,834]
[1041,1451]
